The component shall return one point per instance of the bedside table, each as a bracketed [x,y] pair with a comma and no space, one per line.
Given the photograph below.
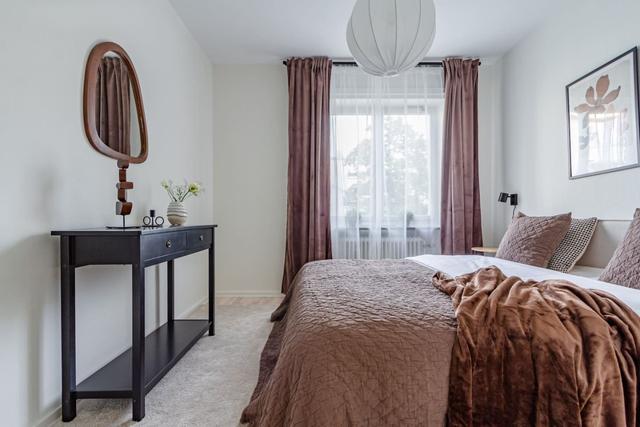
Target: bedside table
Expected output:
[484,250]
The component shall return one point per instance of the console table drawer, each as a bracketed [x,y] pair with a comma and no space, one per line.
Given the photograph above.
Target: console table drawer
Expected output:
[163,244]
[199,238]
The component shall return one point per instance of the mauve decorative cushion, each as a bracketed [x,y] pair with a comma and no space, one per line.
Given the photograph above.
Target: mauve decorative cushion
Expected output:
[624,267]
[533,240]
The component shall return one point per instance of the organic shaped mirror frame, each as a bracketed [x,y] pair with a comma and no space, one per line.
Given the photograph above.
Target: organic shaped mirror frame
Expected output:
[123,207]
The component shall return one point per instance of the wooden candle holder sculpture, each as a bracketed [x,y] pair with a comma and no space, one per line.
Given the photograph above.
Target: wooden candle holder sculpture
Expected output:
[123,207]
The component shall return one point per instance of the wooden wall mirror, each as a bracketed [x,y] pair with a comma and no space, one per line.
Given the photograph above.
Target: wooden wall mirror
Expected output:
[114,119]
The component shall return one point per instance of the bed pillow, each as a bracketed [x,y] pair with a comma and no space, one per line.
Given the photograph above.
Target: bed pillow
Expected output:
[533,240]
[574,244]
[624,267]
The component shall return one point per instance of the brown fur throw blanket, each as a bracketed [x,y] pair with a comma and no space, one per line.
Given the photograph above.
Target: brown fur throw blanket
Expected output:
[547,353]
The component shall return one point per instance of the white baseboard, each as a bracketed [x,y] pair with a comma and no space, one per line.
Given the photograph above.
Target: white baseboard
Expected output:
[249,294]
[189,311]
[50,419]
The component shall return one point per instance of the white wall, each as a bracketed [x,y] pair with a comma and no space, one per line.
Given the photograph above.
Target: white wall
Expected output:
[579,36]
[250,171]
[52,179]
[490,148]
[250,176]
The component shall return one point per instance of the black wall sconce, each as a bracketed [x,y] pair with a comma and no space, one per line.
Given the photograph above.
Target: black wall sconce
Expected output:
[503,197]
[506,196]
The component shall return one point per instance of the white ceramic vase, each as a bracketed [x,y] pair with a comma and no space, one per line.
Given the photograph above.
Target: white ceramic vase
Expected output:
[177,213]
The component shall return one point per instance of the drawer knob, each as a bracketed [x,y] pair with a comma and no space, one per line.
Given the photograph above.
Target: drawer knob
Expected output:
[201,237]
[168,244]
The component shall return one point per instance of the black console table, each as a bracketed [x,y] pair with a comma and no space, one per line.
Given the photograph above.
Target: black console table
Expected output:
[136,371]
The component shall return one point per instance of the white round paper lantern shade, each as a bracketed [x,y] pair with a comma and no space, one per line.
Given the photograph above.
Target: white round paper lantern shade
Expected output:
[387,37]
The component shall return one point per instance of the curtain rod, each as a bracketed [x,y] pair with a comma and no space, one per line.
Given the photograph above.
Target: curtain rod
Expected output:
[354,64]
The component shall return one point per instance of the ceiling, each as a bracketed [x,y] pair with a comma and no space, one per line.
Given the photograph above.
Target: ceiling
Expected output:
[267,31]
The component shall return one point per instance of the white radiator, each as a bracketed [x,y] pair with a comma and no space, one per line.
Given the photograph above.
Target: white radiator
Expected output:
[387,248]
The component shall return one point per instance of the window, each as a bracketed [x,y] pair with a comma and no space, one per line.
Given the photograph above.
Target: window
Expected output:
[386,142]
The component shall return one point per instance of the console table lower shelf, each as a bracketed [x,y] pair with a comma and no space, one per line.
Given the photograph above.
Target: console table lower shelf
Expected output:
[165,347]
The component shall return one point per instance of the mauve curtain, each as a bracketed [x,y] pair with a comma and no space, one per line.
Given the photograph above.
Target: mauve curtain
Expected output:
[460,211]
[113,104]
[308,235]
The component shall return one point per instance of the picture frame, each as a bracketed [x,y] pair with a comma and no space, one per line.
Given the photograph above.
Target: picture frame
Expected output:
[603,118]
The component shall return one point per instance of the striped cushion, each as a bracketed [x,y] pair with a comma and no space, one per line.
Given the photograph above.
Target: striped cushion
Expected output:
[574,244]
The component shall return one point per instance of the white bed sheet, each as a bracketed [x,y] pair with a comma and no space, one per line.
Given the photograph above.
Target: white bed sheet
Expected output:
[588,272]
[457,265]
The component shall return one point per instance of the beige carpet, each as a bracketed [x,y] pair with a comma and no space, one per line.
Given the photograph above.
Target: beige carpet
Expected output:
[212,383]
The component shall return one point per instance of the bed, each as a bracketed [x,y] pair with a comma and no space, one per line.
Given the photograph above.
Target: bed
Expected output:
[371,343]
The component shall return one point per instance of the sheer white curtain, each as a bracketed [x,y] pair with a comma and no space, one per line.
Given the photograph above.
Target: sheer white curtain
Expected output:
[386,138]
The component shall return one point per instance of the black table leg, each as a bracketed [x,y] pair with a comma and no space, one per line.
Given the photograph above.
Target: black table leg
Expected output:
[68,328]
[170,292]
[212,288]
[137,352]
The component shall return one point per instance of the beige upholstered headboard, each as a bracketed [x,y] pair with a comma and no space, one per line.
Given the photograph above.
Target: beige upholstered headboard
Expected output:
[609,233]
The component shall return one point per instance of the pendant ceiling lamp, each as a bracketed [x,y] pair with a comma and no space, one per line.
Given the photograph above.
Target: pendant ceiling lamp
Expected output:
[387,37]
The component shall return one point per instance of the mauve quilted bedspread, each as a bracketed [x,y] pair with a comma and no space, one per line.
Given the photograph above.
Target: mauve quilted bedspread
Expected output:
[357,343]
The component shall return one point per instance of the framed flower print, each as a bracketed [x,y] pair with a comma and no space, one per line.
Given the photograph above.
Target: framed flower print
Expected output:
[602,109]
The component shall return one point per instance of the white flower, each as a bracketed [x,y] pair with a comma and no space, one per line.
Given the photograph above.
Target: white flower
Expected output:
[195,188]
[178,193]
